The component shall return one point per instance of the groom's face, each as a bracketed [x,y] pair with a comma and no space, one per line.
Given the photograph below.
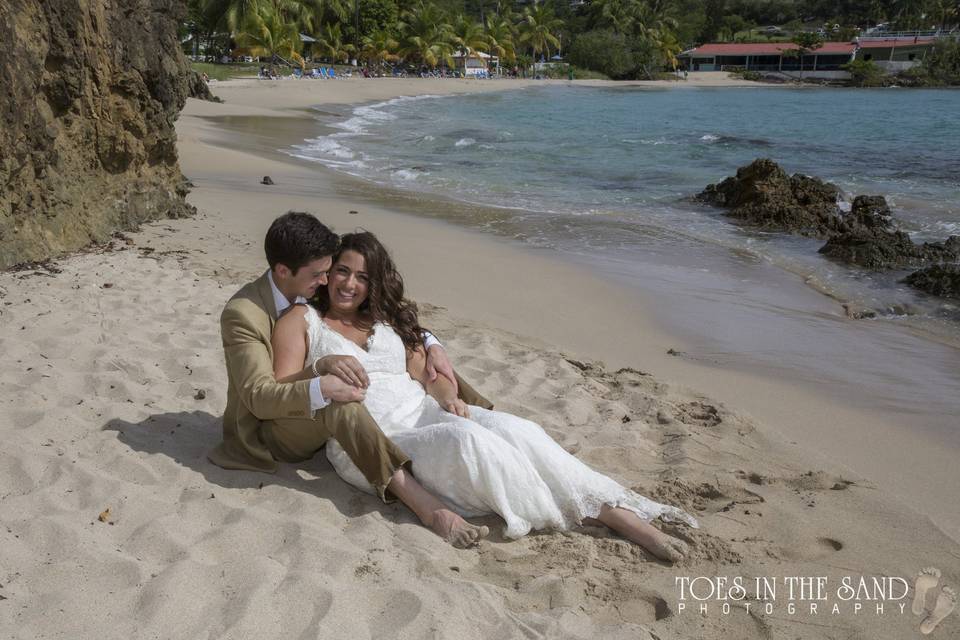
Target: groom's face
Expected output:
[306,280]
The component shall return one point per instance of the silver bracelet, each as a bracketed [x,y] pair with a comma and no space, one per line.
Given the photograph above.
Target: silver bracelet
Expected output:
[313,369]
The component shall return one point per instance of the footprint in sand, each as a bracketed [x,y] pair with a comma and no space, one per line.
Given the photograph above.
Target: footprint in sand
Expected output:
[927,579]
[946,603]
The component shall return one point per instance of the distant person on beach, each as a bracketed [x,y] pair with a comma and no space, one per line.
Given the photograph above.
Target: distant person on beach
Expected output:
[290,417]
[477,460]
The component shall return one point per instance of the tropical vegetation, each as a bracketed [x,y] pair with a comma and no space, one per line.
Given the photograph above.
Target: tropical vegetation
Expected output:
[617,38]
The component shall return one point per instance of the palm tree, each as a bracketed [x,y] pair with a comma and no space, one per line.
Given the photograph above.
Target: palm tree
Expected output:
[619,15]
[469,36]
[379,47]
[666,44]
[537,28]
[330,43]
[268,32]
[238,13]
[500,35]
[426,35]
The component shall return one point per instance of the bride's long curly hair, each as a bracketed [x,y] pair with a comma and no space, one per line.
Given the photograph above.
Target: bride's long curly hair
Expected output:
[385,302]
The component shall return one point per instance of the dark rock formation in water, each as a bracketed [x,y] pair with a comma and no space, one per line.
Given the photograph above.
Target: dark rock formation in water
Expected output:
[889,250]
[867,238]
[89,92]
[763,195]
[939,280]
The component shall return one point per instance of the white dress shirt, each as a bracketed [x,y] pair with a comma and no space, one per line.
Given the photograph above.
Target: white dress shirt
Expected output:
[317,401]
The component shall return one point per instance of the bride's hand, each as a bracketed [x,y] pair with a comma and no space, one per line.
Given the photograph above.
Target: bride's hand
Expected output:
[456,406]
[347,368]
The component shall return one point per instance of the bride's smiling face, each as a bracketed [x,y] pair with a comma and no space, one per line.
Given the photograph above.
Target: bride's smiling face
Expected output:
[348,282]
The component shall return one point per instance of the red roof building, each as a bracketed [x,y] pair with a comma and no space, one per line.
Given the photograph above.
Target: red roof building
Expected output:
[776,56]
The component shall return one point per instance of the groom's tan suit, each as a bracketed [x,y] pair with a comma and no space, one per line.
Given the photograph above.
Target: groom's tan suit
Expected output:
[266,421]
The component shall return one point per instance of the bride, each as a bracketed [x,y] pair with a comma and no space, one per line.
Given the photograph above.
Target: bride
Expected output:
[477,461]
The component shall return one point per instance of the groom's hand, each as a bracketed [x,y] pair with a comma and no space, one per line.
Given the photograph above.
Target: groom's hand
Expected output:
[347,368]
[336,390]
[438,363]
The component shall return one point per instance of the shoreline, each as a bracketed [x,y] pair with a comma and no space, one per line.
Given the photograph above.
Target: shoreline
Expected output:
[899,449]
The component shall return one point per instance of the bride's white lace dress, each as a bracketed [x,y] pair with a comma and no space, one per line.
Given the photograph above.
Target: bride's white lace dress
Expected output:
[493,462]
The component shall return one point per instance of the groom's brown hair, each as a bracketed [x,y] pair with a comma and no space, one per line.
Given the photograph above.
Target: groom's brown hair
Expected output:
[296,239]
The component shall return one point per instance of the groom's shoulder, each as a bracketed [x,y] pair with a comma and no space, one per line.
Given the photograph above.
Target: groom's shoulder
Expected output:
[245,302]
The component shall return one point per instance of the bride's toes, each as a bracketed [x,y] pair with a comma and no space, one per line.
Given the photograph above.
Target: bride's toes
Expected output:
[468,536]
[669,549]
[457,531]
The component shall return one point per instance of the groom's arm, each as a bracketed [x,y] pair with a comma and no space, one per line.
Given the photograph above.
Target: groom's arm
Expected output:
[438,365]
[251,370]
[437,361]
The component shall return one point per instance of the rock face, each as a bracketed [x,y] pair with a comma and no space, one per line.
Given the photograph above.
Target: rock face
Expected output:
[765,196]
[198,88]
[940,280]
[89,91]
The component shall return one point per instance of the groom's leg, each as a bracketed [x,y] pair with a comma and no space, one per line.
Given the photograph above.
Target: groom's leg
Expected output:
[469,395]
[352,426]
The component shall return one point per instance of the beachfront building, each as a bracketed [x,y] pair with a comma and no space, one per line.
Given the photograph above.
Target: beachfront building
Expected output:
[475,65]
[891,53]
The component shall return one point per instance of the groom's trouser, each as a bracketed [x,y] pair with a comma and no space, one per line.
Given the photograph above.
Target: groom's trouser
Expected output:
[352,426]
[469,395]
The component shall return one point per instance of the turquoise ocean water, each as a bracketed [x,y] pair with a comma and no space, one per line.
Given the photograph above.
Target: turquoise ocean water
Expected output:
[601,176]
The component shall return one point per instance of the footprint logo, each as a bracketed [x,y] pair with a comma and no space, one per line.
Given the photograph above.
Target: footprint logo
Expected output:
[927,579]
[946,601]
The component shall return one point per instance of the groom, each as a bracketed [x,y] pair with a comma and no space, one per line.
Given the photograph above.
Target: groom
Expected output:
[266,421]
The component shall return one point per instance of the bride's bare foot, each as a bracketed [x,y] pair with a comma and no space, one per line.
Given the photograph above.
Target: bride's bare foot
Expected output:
[455,530]
[667,548]
[630,526]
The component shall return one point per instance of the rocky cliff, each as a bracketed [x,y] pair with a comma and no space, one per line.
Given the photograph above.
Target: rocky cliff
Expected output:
[89,91]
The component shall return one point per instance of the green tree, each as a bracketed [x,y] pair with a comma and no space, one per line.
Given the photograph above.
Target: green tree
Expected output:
[426,35]
[267,32]
[864,73]
[331,44]
[537,28]
[379,48]
[469,36]
[807,42]
[942,64]
[500,35]
[945,12]
[604,51]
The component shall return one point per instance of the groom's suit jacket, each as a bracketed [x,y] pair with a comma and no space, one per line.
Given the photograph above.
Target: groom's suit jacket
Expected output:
[253,394]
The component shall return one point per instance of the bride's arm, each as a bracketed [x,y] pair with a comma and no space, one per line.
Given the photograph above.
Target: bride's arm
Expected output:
[289,342]
[440,388]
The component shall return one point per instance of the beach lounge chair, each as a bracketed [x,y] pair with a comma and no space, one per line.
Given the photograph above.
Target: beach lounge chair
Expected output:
[332,73]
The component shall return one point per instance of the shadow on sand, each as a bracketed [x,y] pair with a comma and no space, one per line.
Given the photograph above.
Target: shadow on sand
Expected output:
[186,437]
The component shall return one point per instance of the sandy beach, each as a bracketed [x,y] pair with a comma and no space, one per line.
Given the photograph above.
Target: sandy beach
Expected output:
[115,525]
